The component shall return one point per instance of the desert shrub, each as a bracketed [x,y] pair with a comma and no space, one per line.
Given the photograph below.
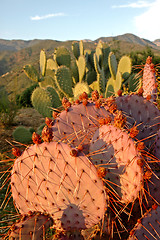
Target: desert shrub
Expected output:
[24,99]
[8,108]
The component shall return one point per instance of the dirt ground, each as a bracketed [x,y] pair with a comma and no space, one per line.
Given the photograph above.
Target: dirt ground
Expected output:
[27,117]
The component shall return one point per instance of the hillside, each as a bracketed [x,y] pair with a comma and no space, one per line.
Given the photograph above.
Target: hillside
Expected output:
[157,42]
[16,45]
[17,53]
[131,38]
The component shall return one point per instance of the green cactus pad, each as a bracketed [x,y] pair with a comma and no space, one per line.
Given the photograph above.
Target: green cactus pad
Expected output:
[51,64]
[91,76]
[75,49]
[31,129]
[42,101]
[101,82]
[134,82]
[99,54]
[112,62]
[40,128]
[22,135]
[81,47]
[117,82]
[106,50]
[56,102]
[64,80]
[31,72]
[74,72]
[109,88]
[80,88]
[81,67]
[43,62]
[125,66]
[47,81]
[96,63]
[94,86]
[63,57]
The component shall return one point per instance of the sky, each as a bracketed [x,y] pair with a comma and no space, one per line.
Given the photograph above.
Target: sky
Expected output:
[77,20]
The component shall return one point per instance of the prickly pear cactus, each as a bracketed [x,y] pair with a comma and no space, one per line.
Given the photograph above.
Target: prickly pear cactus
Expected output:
[149,80]
[157,146]
[148,227]
[56,179]
[68,235]
[31,226]
[116,157]
[143,113]
[76,124]
[151,186]
[22,135]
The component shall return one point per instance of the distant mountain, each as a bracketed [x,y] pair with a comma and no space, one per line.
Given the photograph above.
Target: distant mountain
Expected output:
[157,42]
[128,37]
[16,45]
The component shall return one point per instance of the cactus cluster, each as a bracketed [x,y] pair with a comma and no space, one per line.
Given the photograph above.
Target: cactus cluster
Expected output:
[69,74]
[94,171]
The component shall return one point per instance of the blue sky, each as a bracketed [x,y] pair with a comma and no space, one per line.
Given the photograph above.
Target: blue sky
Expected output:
[75,20]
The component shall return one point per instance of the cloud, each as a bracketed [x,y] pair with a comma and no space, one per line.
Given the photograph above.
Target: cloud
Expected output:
[47,16]
[148,23]
[138,4]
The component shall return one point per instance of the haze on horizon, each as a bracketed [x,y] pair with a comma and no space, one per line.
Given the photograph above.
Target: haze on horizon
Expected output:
[69,20]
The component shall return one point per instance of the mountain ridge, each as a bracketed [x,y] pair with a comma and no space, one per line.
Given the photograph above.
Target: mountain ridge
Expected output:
[16,45]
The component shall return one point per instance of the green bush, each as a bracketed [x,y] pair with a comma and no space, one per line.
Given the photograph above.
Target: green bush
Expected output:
[24,99]
[8,108]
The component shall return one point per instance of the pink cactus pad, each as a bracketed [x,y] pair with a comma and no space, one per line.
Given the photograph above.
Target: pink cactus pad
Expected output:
[152,186]
[69,235]
[148,227]
[113,149]
[31,226]
[49,178]
[76,125]
[142,113]
[149,80]
[157,147]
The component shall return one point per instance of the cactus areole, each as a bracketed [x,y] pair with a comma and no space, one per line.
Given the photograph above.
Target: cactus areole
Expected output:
[49,178]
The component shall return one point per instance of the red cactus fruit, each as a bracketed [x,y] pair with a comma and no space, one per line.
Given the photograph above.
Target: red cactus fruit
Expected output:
[84,96]
[142,112]
[47,134]
[114,150]
[47,178]
[48,121]
[95,95]
[31,226]
[36,138]
[65,103]
[133,132]
[119,119]
[16,152]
